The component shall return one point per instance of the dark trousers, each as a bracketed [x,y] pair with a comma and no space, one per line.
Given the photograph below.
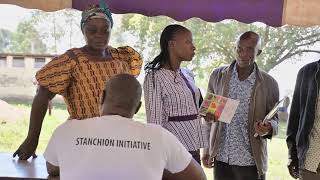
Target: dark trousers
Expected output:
[196,155]
[308,175]
[224,171]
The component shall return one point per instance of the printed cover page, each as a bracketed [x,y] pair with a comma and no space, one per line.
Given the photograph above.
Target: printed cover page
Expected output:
[221,107]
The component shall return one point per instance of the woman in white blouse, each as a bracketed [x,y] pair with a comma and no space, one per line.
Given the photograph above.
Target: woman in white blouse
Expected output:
[171,97]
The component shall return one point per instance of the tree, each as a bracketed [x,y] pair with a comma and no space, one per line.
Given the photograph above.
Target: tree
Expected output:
[146,31]
[73,23]
[26,39]
[278,44]
[215,42]
[50,28]
[5,36]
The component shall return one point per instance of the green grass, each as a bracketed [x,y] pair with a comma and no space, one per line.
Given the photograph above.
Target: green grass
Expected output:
[13,133]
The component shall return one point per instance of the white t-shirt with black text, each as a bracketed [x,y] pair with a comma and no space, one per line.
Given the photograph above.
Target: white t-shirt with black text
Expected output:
[114,147]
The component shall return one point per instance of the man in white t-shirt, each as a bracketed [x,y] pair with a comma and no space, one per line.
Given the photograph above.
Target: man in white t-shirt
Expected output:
[114,146]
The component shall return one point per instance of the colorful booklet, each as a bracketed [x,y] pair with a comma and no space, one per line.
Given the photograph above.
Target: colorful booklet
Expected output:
[221,107]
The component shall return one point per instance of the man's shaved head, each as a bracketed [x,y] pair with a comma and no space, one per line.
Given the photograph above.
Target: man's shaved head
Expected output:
[250,35]
[122,95]
[248,47]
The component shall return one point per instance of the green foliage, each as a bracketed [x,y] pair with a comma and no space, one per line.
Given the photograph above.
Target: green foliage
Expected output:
[215,42]
[13,133]
[43,32]
[27,39]
[146,30]
[55,29]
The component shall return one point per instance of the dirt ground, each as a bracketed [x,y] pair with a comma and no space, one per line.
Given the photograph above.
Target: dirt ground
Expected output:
[10,113]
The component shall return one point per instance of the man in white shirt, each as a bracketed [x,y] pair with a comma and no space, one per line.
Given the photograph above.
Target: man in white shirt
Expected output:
[114,146]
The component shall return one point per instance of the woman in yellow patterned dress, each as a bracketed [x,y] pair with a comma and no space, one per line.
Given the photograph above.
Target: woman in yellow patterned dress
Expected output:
[79,75]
